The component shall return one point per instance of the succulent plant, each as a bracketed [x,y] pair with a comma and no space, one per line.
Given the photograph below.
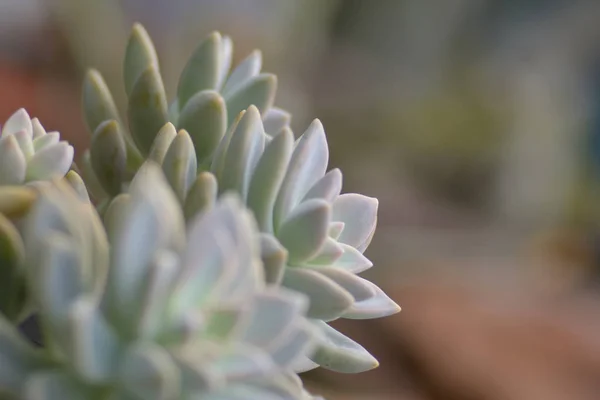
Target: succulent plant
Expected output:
[29,153]
[159,316]
[208,100]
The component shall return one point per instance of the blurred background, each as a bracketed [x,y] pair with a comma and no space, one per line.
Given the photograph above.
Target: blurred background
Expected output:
[475,122]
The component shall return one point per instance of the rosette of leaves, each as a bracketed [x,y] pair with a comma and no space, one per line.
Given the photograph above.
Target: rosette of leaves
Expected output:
[208,99]
[28,154]
[312,236]
[167,313]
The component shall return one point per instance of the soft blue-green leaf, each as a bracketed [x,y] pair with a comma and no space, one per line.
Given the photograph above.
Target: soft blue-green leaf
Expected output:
[243,363]
[328,300]
[61,279]
[108,156]
[201,196]
[54,385]
[179,164]
[19,121]
[12,162]
[329,253]
[147,109]
[223,322]
[46,140]
[276,119]
[327,188]
[341,354]
[335,229]
[267,178]
[359,214]
[205,118]
[37,129]
[272,312]
[158,283]
[258,91]
[304,232]
[139,55]
[307,165]
[25,143]
[244,151]
[304,364]
[274,258]
[98,103]
[78,185]
[217,164]
[51,162]
[149,373]
[161,143]
[226,56]
[202,71]
[377,306]
[94,348]
[360,288]
[246,70]
[294,346]
[89,177]
[114,213]
[197,378]
[352,260]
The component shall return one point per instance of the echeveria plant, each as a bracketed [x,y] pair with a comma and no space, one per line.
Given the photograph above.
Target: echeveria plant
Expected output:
[201,256]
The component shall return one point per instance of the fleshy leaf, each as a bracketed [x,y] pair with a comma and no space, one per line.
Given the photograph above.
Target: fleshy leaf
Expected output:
[19,121]
[246,70]
[360,288]
[12,255]
[108,156]
[12,162]
[98,103]
[46,140]
[327,188]
[259,91]
[276,119]
[353,260]
[201,196]
[202,71]
[139,55]
[328,300]
[54,385]
[274,258]
[50,162]
[162,142]
[147,108]
[78,185]
[205,118]
[359,214]
[341,354]
[179,164]
[377,306]
[304,232]
[267,178]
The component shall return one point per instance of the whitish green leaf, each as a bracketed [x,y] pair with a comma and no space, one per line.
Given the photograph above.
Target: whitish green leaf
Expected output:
[329,253]
[139,55]
[51,162]
[328,300]
[78,185]
[327,188]
[274,258]
[244,150]
[149,373]
[109,157]
[147,109]
[307,165]
[294,346]
[202,71]
[258,91]
[271,313]
[341,354]
[90,178]
[25,143]
[276,119]
[267,178]
[304,232]
[98,103]
[245,71]
[359,214]
[352,260]
[179,164]
[46,140]
[94,348]
[205,118]
[19,121]
[12,255]
[201,196]
[226,56]
[12,162]
[243,363]
[360,288]
[377,306]
[38,129]
[161,143]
